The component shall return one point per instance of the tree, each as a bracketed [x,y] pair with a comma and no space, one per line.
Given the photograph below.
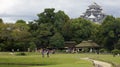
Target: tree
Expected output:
[67,31]
[21,21]
[109,33]
[21,46]
[2,27]
[115,52]
[20,31]
[10,34]
[81,29]
[95,32]
[20,36]
[43,34]
[1,21]
[43,27]
[47,16]
[5,30]
[33,26]
[57,41]
[118,45]
[48,23]
[60,19]
[32,46]
[2,46]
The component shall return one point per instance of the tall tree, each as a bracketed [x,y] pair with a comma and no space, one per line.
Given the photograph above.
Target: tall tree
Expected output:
[43,34]
[21,21]
[11,34]
[48,23]
[109,32]
[57,41]
[47,16]
[60,19]
[1,21]
[67,31]
[82,29]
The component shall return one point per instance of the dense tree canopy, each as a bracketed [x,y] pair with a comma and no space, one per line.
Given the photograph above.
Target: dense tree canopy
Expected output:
[109,32]
[21,21]
[47,25]
[57,41]
[82,29]
[53,28]
[1,21]
[12,34]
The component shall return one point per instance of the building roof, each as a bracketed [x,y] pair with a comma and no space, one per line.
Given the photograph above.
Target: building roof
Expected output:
[94,5]
[70,43]
[94,13]
[88,44]
[91,16]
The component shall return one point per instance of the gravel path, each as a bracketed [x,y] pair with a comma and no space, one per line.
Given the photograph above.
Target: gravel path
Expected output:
[101,64]
[97,63]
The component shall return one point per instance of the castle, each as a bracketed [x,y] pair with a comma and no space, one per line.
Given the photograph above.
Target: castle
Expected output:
[94,13]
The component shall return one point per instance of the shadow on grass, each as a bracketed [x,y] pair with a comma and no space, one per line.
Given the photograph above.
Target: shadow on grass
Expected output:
[23,64]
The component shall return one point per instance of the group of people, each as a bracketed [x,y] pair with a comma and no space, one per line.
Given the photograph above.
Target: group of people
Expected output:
[45,51]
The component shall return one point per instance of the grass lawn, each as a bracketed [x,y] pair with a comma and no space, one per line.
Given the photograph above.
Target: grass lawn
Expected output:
[55,60]
[35,60]
[104,57]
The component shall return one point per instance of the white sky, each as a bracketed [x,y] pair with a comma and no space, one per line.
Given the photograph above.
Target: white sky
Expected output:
[12,10]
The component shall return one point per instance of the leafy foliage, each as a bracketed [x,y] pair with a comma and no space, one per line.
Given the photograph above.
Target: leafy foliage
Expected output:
[20,21]
[115,52]
[57,41]
[109,32]
[52,28]
[1,21]
[103,50]
[81,29]
[21,54]
[32,46]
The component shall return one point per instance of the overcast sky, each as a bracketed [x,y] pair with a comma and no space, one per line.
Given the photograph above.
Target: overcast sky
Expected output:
[12,10]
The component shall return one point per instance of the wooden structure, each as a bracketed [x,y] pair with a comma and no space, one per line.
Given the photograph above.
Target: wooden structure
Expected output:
[70,44]
[90,45]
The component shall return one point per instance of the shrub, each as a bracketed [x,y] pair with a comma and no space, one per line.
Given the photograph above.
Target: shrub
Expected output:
[22,54]
[86,50]
[115,52]
[32,46]
[103,50]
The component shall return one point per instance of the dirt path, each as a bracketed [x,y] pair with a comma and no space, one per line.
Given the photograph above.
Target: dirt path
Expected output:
[101,64]
[97,63]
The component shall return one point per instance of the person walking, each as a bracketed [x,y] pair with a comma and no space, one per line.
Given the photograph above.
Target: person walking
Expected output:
[43,51]
[48,52]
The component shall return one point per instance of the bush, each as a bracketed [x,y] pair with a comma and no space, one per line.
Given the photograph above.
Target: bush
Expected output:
[103,50]
[32,46]
[115,52]
[22,54]
[86,50]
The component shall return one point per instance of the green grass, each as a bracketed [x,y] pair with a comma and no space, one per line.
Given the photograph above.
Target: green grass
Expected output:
[13,66]
[32,60]
[104,57]
[55,60]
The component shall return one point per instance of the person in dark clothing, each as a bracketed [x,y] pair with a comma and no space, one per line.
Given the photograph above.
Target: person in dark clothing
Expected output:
[43,52]
[48,52]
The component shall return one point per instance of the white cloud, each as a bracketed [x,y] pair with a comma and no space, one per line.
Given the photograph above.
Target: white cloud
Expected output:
[74,8]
